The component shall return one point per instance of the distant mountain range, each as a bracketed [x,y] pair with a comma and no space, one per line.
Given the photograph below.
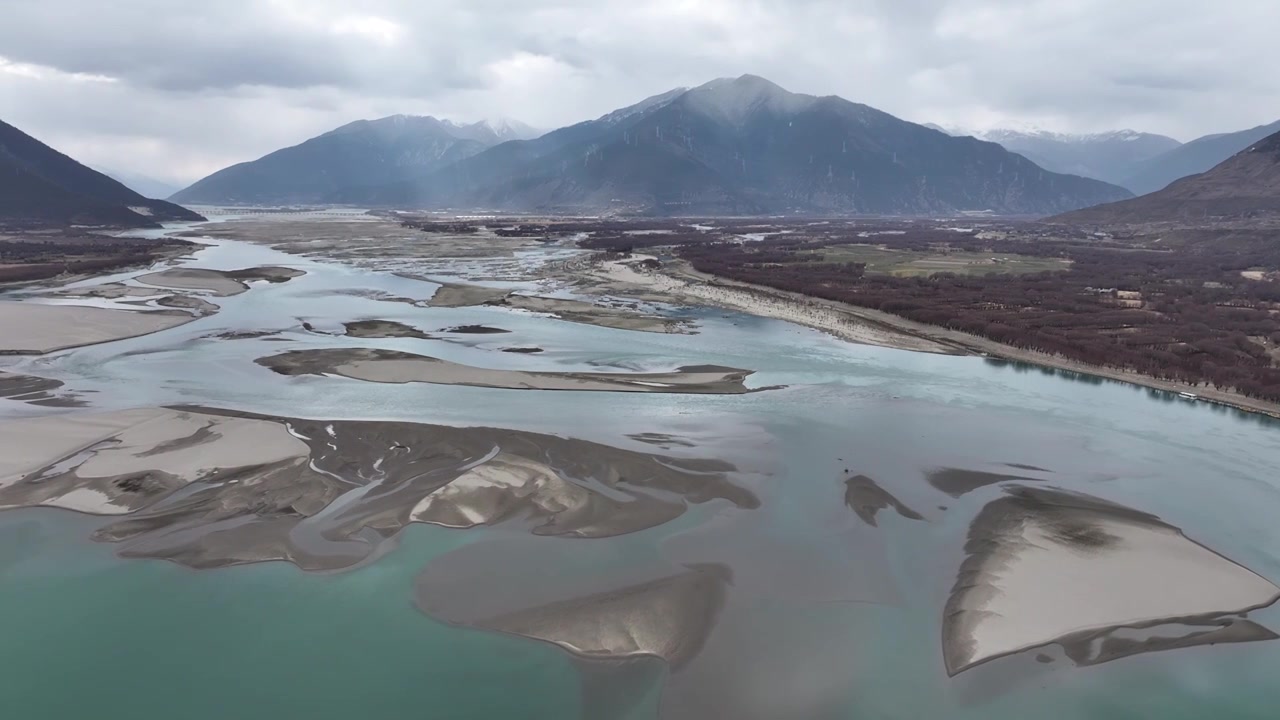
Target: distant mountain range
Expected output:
[1195,157]
[1141,162]
[40,187]
[360,154]
[1245,187]
[732,146]
[1111,156]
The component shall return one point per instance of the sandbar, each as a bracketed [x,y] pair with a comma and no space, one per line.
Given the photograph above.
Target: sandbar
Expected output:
[867,498]
[28,328]
[383,329]
[669,618]
[1047,566]
[221,283]
[957,482]
[389,366]
[455,295]
[210,488]
[36,391]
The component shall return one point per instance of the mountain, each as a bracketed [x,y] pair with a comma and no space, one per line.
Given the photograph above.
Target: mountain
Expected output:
[142,184]
[746,146]
[1195,157]
[1111,156]
[362,153]
[41,186]
[1245,187]
[507,129]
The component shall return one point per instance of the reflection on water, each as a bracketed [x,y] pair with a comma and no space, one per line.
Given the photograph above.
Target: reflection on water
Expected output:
[823,613]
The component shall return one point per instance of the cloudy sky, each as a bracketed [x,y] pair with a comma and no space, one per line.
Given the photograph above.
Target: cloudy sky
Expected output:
[179,88]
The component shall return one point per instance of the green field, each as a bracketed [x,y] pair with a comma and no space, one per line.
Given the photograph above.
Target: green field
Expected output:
[906,263]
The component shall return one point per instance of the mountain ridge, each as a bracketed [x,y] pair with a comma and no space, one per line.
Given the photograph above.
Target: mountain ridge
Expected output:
[1193,158]
[1243,188]
[41,186]
[745,145]
[359,153]
[1110,156]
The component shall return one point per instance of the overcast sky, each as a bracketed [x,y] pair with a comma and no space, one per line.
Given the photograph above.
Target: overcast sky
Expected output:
[179,88]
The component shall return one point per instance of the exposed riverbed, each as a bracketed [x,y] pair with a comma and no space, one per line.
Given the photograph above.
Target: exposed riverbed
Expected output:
[783,524]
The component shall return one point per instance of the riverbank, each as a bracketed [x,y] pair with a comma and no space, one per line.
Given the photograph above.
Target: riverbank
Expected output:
[874,327]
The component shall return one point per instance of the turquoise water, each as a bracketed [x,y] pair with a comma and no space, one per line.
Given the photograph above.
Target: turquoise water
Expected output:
[826,616]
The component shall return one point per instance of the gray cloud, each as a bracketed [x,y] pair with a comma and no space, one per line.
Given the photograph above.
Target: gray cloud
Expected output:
[178,88]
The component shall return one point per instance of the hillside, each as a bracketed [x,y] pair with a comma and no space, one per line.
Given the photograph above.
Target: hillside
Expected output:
[746,146]
[1193,158]
[1244,188]
[41,186]
[1110,156]
[357,155]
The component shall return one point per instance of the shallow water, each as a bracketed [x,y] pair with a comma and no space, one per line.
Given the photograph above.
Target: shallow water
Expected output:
[826,616]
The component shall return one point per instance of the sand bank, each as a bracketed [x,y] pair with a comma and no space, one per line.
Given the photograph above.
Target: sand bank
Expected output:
[110,291]
[123,461]
[208,488]
[36,391]
[669,618]
[866,498]
[1047,566]
[455,295]
[629,277]
[383,329]
[389,366]
[957,482]
[221,283]
[28,328]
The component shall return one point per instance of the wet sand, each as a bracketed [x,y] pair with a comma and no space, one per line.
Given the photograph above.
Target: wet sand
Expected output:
[220,283]
[36,391]
[389,366]
[455,295]
[209,488]
[629,277]
[866,498]
[383,329]
[668,618]
[958,482]
[110,291]
[1047,566]
[28,328]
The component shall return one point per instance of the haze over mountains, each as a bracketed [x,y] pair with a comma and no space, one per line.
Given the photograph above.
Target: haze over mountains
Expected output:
[1196,156]
[733,146]
[1245,187]
[1111,156]
[1140,162]
[360,154]
[40,186]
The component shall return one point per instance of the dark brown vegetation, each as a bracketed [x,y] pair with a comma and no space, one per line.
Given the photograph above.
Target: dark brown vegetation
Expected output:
[25,258]
[1200,306]
[1182,311]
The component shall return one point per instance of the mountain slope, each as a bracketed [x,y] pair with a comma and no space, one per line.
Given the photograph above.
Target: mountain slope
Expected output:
[39,185]
[1195,157]
[1244,187]
[746,145]
[1111,157]
[361,154]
